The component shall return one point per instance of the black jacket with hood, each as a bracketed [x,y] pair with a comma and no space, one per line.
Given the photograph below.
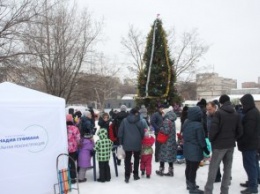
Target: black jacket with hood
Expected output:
[226,127]
[251,124]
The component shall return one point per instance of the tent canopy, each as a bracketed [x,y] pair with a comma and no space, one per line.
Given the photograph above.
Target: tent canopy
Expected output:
[32,134]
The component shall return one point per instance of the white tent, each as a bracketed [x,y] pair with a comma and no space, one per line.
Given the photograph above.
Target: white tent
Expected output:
[32,134]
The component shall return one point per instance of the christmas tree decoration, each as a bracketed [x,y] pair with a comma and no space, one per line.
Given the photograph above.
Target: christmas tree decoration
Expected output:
[156,81]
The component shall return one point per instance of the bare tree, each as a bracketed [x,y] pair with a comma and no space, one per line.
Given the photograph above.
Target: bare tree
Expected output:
[14,14]
[106,83]
[134,45]
[98,83]
[188,90]
[187,51]
[60,42]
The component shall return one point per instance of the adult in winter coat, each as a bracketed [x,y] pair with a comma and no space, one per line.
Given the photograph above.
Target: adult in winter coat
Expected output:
[168,150]
[202,104]
[119,117]
[183,116]
[131,133]
[225,130]
[143,113]
[84,159]
[156,122]
[248,144]
[211,109]
[114,127]
[86,125]
[194,144]
[103,150]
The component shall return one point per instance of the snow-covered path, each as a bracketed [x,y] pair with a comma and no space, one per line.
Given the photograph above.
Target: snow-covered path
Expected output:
[161,185]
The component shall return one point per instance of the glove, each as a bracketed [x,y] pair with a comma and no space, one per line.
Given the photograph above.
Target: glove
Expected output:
[206,150]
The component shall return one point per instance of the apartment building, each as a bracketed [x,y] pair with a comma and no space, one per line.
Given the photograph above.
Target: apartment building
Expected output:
[210,85]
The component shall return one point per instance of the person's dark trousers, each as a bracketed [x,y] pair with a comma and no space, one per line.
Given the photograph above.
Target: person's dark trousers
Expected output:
[104,171]
[249,163]
[218,177]
[157,150]
[128,156]
[72,166]
[191,171]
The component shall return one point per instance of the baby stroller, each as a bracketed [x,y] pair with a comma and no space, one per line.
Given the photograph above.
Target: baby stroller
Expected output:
[180,157]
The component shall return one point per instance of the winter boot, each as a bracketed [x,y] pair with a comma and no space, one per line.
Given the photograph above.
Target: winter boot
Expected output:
[170,172]
[160,172]
[136,176]
[142,172]
[194,189]
[127,179]
[189,185]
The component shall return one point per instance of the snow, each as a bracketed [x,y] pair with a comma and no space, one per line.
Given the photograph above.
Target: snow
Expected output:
[161,185]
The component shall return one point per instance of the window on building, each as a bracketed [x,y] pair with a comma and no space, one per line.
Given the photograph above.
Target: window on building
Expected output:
[129,105]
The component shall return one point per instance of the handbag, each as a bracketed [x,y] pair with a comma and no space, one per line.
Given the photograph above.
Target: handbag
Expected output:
[120,152]
[161,137]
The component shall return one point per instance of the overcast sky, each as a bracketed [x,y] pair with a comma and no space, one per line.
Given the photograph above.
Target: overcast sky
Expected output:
[231,27]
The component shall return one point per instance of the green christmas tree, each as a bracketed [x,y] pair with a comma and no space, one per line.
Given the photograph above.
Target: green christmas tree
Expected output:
[156,81]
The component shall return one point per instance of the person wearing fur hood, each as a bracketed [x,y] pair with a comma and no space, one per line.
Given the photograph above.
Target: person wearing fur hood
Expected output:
[168,150]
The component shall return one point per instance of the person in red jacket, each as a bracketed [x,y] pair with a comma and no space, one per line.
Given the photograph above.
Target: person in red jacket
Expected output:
[147,154]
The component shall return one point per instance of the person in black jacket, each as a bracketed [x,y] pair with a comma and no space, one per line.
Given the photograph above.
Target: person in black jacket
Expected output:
[249,143]
[184,115]
[104,121]
[157,122]
[225,129]
[117,119]
[130,134]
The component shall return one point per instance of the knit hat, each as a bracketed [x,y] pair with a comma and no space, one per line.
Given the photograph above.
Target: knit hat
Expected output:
[224,98]
[123,108]
[143,111]
[166,110]
[69,118]
[203,102]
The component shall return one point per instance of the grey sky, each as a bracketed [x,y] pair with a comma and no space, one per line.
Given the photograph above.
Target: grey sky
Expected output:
[231,27]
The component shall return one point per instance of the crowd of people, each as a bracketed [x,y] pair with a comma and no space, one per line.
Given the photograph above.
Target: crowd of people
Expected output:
[209,130]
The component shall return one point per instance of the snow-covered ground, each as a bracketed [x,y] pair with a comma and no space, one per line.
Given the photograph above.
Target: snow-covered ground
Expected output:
[160,185]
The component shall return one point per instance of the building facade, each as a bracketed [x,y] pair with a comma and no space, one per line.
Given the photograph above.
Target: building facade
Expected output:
[210,85]
[127,100]
[250,85]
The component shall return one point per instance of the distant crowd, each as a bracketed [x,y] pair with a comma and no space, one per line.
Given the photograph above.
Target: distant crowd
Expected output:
[209,133]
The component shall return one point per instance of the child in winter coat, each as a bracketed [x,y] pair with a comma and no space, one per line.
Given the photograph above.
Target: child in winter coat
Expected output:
[73,142]
[103,149]
[84,159]
[147,154]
